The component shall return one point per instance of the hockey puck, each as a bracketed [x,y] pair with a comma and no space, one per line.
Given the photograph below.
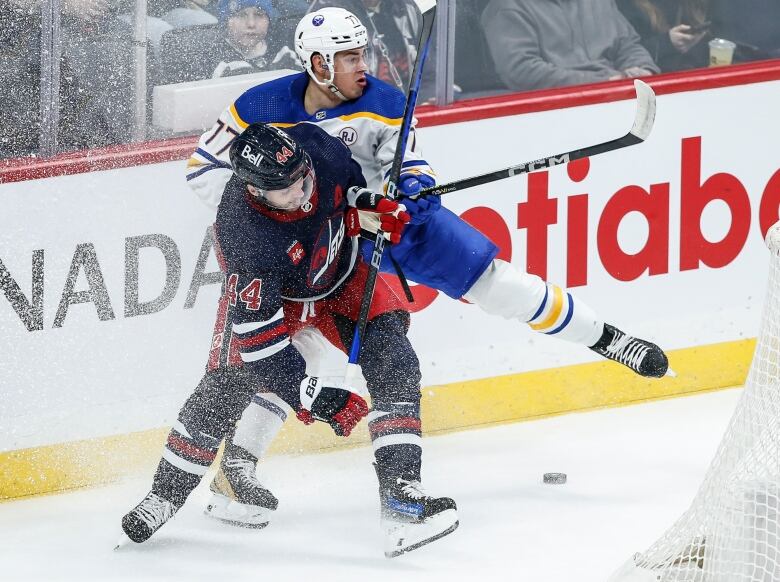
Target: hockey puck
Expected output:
[555,478]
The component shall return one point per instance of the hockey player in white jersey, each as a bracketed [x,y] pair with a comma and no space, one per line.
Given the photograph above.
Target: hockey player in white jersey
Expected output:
[337,94]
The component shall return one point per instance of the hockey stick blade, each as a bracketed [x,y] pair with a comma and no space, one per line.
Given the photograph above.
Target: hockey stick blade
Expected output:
[425,5]
[645,110]
[644,118]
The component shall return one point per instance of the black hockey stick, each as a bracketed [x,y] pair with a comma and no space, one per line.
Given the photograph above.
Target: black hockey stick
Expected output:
[643,125]
[427,9]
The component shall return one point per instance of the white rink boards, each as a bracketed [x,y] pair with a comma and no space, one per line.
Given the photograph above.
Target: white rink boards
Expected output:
[105,366]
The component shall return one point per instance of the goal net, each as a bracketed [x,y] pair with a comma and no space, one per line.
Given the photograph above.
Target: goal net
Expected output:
[731,532]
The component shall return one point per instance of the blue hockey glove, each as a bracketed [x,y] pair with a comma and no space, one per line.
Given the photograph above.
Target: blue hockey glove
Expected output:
[420,209]
[412,181]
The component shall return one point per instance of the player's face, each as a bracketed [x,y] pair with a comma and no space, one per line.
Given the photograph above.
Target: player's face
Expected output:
[350,68]
[248,27]
[291,198]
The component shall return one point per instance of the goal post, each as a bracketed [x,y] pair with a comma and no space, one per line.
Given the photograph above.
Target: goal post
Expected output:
[731,531]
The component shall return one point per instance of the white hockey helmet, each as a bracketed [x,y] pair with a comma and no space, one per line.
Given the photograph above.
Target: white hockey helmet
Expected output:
[328,31]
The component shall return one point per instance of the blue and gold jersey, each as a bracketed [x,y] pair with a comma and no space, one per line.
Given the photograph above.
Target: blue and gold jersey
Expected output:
[368,126]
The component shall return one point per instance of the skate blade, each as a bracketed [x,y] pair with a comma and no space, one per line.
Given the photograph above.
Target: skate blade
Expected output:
[238,523]
[237,514]
[123,541]
[414,545]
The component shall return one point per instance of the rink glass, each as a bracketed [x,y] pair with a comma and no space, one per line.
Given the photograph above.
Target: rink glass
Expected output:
[81,74]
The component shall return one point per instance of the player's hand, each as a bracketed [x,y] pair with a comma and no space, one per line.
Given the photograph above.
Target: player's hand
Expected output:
[322,399]
[392,215]
[412,181]
[420,208]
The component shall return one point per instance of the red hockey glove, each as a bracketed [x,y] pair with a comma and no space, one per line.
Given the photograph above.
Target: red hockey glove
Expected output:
[392,217]
[339,407]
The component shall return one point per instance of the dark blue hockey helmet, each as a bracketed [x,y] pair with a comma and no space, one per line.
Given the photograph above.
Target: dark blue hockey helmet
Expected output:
[278,169]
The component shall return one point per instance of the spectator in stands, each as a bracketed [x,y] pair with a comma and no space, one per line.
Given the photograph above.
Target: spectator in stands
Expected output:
[96,78]
[753,24]
[475,72]
[99,51]
[537,44]
[671,30]
[19,82]
[237,45]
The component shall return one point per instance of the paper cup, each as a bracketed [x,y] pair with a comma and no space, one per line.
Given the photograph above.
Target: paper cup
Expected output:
[721,52]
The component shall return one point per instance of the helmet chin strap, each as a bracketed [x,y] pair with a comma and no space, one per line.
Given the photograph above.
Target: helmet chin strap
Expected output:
[328,83]
[336,92]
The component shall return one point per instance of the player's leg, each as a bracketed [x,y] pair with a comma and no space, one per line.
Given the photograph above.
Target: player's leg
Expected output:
[410,518]
[510,293]
[207,415]
[238,496]
[448,254]
[444,253]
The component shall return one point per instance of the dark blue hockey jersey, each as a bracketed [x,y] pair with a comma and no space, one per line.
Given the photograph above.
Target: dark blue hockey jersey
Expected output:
[269,256]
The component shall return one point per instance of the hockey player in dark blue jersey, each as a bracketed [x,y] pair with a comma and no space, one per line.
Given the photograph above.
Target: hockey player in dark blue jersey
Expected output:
[438,248]
[287,231]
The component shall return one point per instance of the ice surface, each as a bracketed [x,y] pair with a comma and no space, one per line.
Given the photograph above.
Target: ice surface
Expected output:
[631,471]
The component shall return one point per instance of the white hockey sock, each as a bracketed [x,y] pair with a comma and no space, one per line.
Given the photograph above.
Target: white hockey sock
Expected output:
[513,294]
[263,418]
[261,422]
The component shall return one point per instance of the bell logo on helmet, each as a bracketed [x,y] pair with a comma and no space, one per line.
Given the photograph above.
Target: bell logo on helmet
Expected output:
[318,20]
[283,155]
[247,154]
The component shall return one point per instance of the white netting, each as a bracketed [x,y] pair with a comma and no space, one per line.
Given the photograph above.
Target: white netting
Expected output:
[731,532]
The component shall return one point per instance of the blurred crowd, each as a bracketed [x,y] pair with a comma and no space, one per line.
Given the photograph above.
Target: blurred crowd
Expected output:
[500,45]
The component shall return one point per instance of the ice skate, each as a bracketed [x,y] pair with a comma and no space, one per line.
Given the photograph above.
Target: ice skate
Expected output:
[147,517]
[238,498]
[643,357]
[410,518]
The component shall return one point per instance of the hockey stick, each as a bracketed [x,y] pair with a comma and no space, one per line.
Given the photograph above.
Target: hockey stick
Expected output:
[643,125]
[427,9]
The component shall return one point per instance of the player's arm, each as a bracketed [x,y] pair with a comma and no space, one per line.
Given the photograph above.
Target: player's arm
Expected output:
[208,169]
[259,331]
[415,173]
[414,164]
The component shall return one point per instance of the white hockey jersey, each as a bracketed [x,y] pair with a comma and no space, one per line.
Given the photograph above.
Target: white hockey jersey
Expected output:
[369,126]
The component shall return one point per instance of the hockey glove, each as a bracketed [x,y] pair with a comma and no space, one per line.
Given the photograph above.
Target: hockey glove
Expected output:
[392,217]
[339,407]
[422,208]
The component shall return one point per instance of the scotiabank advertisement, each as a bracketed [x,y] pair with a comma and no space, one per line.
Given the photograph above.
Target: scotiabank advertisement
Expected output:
[110,284]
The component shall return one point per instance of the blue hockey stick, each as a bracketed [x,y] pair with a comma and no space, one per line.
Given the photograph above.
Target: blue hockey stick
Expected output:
[428,10]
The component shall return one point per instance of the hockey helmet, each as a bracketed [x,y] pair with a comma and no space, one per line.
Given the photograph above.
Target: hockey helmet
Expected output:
[271,161]
[328,31]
